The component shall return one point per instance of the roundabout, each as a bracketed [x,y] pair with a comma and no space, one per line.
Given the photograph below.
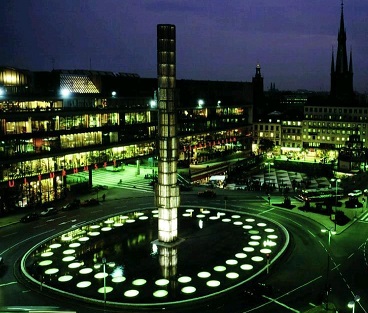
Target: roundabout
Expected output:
[116,260]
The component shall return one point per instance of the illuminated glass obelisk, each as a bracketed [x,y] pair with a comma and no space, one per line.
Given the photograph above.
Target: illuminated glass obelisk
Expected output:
[167,190]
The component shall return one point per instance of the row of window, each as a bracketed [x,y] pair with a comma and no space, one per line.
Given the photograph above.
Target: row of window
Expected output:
[335,110]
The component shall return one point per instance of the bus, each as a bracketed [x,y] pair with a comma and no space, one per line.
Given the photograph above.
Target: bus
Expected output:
[321,194]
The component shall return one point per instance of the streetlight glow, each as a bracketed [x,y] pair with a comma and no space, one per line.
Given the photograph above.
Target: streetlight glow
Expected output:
[351,304]
[103,264]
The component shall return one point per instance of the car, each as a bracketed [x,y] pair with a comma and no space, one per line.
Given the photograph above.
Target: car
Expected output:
[207,194]
[48,211]
[71,205]
[30,217]
[90,202]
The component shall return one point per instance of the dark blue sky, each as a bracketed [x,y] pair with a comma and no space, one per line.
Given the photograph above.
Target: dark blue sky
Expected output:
[216,39]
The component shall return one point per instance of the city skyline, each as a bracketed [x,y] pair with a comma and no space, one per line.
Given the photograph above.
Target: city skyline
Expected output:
[291,40]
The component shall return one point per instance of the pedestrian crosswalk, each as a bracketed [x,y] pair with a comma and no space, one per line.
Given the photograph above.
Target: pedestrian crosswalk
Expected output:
[127,179]
[364,218]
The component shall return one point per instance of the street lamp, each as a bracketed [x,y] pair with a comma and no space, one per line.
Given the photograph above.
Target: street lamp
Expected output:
[269,169]
[351,304]
[337,181]
[103,264]
[330,233]
[200,103]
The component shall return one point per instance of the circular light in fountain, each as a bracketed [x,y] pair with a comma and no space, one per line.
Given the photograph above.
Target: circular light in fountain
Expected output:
[69,251]
[130,221]
[47,254]
[188,289]
[74,245]
[66,238]
[271,243]
[51,271]
[189,210]
[118,279]
[68,258]
[187,214]
[232,275]
[247,226]
[272,236]
[213,283]
[257,258]
[204,274]
[84,284]
[213,217]
[83,239]
[139,213]
[248,249]
[250,220]
[109,222]
[75,265]
[255,237]
[253,243]
[118,224]
[246,267]
[219,268]
[160,293]
[85,270]
[139,282]
[240,255]
[184,279]
[162,282]
[235,216]
[93,233]
[269,230]
[155,215]
[265,250]
[101,275]
[206,212]
[253,231]
[55,245]
[201,215]
[107,289]
[124,217]
[131,293]
[65,278]
[238,223]
[221,213]
[261,224]
[106,228]
[226,220]
[143,217]
[231,262]
[154,211]
[95,226]
[45,263]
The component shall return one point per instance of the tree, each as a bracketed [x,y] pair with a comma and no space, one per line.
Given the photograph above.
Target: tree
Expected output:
[266,145]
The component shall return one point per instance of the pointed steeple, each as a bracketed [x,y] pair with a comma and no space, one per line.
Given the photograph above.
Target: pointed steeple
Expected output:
[341,57]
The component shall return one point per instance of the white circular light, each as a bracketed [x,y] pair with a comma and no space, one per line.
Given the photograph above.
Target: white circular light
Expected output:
[255,237]
[45,263]
[74,245]
[269,230]
[55,245]
[231,262]
[131,293]
[187,214]
[101,275]
[272,236]
[95,226]
[253,243]
[143,218]
[105,290]
[118,279]
[246,267]
[261,224]
[219,268]
[75,265]
[69,251]
[257,258]
[201,215]
[47,254]
[213,217]
[130,221]
[83,239]
[247,226]
[265,251]
[232,275]
[204,274]
[162,282]
[51,271]
[226,220]
[184,279]
[139,282]
[248,249]
[68,258]
[65,278]
[213,283]
[235,216]
[238,223]
[250,220]
[84,284]
[188,289]
[93,233]
[160,293]
[240,255]
[106,228]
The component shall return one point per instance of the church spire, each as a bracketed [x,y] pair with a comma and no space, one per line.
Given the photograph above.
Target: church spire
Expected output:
[341,57]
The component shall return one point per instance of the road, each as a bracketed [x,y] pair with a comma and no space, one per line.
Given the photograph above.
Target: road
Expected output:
[298,279]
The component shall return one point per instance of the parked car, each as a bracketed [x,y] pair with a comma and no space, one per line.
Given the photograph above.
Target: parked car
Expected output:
[71,205]
[30,217]
[90,202]
[48,211]
[207,194]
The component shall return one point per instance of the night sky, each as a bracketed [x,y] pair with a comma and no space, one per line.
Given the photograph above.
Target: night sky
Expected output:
[216,39]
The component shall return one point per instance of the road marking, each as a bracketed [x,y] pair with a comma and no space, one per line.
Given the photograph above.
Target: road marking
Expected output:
[311,233]
[350,255]
[281,304]
[9,235]
[7,284]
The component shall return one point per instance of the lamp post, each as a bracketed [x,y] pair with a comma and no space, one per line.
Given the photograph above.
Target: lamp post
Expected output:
[269,170]
[351,304]
[336,184]
[103,264]
[330,233]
